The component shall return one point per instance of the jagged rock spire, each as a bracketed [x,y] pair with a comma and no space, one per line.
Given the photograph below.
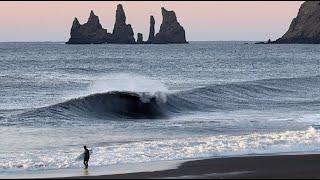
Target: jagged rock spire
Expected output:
[93,21]
[92,15]
[75,22]
[75,26]
[122,32]
[88,33]
[169,17]
[170,30]
[151,30]
[120,15]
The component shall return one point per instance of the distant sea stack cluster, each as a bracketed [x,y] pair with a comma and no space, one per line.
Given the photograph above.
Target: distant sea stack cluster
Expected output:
[305,28]
[92,32]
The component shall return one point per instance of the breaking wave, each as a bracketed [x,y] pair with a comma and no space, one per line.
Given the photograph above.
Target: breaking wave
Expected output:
[258,95]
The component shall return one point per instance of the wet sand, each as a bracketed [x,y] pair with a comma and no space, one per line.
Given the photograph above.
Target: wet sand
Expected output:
[278,166]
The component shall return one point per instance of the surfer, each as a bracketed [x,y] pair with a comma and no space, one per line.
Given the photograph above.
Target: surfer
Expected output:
[86,157]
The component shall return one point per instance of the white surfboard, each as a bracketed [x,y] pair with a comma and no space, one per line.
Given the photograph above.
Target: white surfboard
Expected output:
[81,156]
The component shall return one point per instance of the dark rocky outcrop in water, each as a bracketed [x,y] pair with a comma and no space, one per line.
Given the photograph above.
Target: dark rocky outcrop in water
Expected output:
[268,42]
[140,38]
[93,33]
[122,32]
[305,28]
[151,30]
[170,30]
[88,33]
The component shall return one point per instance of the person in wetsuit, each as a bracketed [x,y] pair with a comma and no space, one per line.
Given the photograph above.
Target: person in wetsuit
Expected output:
[86,157]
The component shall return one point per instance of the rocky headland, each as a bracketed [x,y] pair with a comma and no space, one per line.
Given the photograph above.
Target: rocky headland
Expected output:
[305,27]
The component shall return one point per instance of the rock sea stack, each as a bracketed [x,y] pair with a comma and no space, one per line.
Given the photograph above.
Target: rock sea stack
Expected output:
[151,30]
[170,30]
[93,33]
[88,33]
[122,32]
[140,38]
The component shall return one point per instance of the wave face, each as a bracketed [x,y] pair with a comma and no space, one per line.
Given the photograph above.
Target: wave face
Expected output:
[257,95]
[113,104]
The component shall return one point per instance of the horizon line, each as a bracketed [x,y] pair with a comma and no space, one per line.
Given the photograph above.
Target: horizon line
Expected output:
[111,43]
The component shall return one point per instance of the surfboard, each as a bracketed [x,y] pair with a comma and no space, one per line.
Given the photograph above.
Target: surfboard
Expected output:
[81,156]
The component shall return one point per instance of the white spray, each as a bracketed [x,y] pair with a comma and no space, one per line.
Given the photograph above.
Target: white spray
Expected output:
[146,87]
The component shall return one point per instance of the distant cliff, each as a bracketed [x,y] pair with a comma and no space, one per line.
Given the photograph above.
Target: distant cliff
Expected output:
[93,33]
[305,28]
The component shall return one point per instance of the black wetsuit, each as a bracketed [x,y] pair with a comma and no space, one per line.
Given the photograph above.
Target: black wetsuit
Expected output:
[86,158]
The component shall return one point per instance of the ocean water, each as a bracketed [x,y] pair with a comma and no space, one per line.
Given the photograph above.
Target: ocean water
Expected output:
[145,103]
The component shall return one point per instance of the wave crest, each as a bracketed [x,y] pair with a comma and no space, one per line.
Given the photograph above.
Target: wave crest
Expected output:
[256,95]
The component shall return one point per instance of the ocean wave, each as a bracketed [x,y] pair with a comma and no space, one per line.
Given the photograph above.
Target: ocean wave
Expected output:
[256,95]
[113,104]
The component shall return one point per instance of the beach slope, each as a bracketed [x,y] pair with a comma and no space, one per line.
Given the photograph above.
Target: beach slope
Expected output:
[278,166]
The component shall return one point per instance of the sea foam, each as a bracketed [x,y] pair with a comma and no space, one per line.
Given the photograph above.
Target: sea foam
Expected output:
[166,149]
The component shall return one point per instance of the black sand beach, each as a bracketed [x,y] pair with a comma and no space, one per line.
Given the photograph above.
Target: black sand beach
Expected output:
[278,166]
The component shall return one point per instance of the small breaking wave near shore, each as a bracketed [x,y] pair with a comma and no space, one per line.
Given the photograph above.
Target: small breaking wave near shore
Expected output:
[160,150]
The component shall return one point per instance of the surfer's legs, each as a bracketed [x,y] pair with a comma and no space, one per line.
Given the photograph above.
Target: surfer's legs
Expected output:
[85,162]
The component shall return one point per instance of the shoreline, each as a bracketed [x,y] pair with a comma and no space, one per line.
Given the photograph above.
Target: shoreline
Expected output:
[288,165]
[274,166]
[93,171]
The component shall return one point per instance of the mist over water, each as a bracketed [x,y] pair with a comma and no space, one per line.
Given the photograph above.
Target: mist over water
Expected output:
[147,103]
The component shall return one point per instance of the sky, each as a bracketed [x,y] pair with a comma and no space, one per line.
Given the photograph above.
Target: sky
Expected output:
[202,20]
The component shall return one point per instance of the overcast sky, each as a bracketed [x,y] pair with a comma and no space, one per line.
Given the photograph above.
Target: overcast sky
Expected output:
[203,21]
